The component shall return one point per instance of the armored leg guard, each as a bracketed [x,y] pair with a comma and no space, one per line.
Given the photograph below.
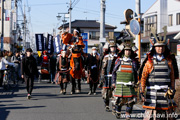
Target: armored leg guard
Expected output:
[129,109]
[107,109]
[118,115]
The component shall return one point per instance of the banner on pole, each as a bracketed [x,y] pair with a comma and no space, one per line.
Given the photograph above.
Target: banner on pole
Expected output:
[57,46]
[39,42]
[85,41]
[45,43]
[50,46]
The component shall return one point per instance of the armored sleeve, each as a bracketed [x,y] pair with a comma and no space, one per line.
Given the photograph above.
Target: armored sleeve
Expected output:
[104,65]
[135,69]
[146,71]
[66,38]
[171,74]
[117,64]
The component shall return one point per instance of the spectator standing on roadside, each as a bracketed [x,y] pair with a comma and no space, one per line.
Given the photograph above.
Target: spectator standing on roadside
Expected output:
[3,63]
[16,60]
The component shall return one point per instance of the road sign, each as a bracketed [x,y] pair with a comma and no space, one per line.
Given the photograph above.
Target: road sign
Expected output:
[102,40]
[134,27]
[85,41]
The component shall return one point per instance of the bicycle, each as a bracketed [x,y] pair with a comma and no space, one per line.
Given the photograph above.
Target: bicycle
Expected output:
[7,79]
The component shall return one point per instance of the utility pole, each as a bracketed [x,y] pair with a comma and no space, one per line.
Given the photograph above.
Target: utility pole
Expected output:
[138,38]
[102,26]
[70,8]
[24,40]
[102,23]
[2,23]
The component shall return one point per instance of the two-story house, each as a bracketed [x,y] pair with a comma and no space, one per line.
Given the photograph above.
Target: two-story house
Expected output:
[92,27]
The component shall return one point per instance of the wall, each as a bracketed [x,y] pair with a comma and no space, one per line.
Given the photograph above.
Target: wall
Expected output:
[173,8]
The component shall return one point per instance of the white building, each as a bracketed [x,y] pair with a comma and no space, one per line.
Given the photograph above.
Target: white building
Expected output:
[162,13]
[10,24]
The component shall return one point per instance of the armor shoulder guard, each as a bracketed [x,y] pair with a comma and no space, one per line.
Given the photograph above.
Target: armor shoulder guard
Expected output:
[142,66]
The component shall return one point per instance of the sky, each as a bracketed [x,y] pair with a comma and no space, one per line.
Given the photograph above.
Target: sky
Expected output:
[41,14]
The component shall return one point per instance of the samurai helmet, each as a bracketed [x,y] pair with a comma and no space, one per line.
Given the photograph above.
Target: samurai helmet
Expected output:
[158,39]
[128,46]
[111,44]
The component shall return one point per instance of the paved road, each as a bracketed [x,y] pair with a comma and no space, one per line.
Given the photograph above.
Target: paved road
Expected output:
[48,104]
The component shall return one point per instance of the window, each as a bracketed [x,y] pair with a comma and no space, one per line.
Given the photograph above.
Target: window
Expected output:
[178,18]
[170,17]
[111,35]
[150,21]
[94,35]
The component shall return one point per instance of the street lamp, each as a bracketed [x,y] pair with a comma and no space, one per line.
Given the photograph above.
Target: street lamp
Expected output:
[58,16]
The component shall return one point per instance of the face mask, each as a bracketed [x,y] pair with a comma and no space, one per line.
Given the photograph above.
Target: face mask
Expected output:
[94,52]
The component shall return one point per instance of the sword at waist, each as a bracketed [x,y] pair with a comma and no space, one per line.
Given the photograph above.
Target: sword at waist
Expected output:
[157,87]
[125,83]
[109,75]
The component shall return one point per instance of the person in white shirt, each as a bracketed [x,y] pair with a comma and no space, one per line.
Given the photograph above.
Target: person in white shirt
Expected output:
[3,63]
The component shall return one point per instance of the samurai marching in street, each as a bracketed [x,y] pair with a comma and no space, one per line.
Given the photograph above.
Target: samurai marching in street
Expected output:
[158,80]
[76,56]
[63,72]
[124,79]
[94,70]
[106,75]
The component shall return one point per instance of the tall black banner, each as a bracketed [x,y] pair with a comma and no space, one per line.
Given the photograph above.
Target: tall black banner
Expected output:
[50,46]
[39,42]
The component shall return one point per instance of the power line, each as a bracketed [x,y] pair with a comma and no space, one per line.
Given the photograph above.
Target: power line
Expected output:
[98,12]
[47,4]
[75,3]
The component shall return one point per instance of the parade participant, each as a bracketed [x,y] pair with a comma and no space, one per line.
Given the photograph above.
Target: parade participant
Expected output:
[63,72]
[28,70]
[157,80]
[3,63]
[106,75]
[76,55]
[93,71]
[73,39]
[76,68]
[45,65]
[124,78]
[45,58]
[52,67]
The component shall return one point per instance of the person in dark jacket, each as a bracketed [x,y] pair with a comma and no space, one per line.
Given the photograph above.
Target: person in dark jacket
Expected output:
[16,60]
[28,70]
[52,67]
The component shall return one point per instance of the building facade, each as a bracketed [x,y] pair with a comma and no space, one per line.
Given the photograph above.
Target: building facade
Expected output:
[162,13]
[92,28]
[10,25]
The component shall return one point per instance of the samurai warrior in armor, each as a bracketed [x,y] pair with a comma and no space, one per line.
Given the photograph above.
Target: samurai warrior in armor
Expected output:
[93,71]
[106,73]
[124,79]
[76,55]
[64,72]
[157,75]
